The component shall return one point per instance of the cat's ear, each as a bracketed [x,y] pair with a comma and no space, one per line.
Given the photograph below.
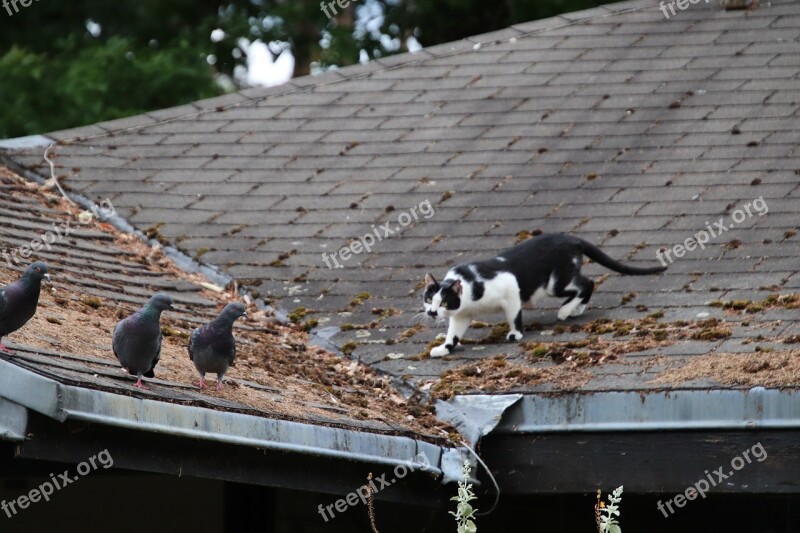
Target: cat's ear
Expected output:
[457,287]
[429,280]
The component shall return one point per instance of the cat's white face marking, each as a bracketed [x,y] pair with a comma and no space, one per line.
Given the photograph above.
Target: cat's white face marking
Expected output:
[443,299]
[446,302]
[436,306]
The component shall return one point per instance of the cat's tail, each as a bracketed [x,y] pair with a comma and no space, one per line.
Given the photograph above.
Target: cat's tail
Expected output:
[596,254]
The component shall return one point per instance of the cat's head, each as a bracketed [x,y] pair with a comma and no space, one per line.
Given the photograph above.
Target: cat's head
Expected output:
[441,299]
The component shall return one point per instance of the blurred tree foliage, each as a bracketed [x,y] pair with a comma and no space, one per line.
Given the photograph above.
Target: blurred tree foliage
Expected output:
[55,72]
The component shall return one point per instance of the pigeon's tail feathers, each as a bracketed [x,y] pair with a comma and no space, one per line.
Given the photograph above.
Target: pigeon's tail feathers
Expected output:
[3,302]
[151,373]
[232,356]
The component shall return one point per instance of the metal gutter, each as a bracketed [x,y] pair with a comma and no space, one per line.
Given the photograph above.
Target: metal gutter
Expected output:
[13,421]
[62,402]
[755,408]
[30,390]
[245,430]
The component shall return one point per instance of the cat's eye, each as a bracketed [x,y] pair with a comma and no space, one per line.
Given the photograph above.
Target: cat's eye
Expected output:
[428,300]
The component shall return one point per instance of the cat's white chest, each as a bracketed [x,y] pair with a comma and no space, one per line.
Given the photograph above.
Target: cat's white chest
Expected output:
[496,292]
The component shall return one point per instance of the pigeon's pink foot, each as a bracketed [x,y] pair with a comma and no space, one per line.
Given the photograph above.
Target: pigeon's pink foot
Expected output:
[6,349]
[219,385]
[202,383]
[140,385]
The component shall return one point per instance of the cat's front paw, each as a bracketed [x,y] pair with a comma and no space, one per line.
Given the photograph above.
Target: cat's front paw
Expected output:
[579,310]
[514,336]
[564,313]
[440,351]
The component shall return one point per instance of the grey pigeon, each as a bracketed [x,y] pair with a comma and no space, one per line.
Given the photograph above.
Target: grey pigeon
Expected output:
[18,300]
[212,347]
[137,339]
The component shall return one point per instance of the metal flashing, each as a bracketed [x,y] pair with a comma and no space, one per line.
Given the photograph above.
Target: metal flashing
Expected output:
[746,409]
[62,402]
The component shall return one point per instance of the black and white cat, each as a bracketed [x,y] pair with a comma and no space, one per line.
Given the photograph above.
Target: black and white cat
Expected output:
[548,264]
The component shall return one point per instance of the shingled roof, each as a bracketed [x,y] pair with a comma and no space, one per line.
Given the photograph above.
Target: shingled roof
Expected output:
[614,124]
[101,276]
[282,396]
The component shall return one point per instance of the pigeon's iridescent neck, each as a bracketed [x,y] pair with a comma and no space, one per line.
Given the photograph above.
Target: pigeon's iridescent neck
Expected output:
[225,320]
[150,311]
[31,284]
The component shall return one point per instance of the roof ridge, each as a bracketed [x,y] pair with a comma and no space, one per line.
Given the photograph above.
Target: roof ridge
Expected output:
[354,71]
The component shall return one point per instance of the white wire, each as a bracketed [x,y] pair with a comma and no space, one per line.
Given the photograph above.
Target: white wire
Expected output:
[494,481]
[53,174]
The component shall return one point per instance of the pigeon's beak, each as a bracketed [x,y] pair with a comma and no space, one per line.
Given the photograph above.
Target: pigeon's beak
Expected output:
[47,278]
[244,314]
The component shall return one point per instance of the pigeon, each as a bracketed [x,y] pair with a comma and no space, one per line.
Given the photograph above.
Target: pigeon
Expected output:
[212,347]
[18,300]
[137,339]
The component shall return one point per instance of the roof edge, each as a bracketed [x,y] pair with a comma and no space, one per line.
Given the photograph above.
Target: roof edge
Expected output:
[61,402]
[30,390]
[13,421]
[755,408]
